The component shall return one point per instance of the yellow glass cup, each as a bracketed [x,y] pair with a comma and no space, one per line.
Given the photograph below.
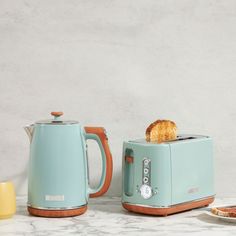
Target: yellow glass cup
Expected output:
[7,200]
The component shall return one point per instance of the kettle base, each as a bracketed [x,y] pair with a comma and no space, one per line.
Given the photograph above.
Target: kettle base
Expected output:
[167,210]
[57,213]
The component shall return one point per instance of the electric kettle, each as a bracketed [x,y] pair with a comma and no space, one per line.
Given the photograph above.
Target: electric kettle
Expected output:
[58,181]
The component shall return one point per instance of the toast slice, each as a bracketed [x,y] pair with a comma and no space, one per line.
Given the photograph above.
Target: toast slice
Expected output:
[224,211]
[161,130]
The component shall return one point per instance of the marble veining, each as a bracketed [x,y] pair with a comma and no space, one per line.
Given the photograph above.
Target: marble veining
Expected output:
[105,216]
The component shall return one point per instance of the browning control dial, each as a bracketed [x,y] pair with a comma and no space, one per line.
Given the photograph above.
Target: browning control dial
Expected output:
[146,191]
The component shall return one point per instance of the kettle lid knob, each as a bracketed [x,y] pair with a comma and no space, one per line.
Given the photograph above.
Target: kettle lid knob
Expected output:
[56,113]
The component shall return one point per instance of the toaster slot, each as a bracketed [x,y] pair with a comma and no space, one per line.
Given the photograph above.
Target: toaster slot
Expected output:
[129,172]
[180,138]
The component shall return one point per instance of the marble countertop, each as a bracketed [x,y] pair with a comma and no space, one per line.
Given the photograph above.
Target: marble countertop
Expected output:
[105,216]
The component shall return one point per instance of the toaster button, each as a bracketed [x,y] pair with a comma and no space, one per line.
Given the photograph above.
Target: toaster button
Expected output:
[146,162]
[146,191]
[145,180]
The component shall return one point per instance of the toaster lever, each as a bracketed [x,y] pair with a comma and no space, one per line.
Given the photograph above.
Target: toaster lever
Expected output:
[128,172]
[129,159]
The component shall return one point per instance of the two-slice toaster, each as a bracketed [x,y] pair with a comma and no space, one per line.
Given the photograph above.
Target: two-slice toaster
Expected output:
[174,176]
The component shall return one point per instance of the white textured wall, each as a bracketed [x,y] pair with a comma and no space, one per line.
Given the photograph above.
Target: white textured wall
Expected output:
[120,64]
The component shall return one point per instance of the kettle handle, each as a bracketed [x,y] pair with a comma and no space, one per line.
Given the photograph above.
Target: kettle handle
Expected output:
[99,134]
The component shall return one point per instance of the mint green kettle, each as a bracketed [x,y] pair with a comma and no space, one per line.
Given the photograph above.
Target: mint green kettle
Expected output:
[58,184]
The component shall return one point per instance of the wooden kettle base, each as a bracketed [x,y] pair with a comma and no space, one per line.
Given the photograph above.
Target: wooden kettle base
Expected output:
[168,210]
[57,213]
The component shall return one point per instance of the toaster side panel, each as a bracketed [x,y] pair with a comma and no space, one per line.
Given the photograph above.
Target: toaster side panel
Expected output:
[146,165]
[192,170]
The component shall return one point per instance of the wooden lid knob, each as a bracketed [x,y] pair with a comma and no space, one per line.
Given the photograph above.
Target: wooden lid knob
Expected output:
[57,113]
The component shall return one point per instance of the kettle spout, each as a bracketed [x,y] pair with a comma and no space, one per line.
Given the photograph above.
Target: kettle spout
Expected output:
[29,130]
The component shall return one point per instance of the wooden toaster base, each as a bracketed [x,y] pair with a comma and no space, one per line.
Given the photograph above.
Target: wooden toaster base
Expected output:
[168,210]
[57,213]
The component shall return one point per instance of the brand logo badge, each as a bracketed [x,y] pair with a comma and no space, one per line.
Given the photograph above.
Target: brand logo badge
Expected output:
[58,198]
[193,190]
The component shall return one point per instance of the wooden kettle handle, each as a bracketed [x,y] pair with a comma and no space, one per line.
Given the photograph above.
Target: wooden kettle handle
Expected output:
[100,132]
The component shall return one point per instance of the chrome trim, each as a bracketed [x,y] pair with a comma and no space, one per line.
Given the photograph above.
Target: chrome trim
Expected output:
[180,138]
[56,208]
[151,206]
[57,122]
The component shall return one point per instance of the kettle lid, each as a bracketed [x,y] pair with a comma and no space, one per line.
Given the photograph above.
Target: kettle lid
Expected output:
[57,119]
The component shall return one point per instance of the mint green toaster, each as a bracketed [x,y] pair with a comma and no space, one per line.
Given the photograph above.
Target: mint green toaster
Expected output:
[174,176]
